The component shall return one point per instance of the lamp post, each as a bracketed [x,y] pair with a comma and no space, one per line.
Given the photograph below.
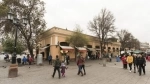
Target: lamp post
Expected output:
[13,18]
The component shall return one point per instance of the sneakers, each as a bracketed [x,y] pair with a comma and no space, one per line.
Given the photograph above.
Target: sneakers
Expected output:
[130,71]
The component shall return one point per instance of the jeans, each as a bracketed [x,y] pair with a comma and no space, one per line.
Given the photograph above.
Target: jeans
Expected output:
[125,66]
[50,62]
[83,67]
[67,62]
[79,69]
[140,69]
[58,69]
[130,66]
[135,66]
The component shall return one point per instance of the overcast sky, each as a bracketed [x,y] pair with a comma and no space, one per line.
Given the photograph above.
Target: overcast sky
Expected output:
[133,15]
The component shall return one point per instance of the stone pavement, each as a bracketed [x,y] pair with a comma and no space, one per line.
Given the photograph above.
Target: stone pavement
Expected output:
[96,74]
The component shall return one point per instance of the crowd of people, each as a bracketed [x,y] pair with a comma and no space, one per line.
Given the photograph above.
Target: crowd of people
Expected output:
[138,61]
[135,63]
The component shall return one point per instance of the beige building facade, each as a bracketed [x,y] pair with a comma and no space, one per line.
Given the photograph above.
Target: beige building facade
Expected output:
[55,40]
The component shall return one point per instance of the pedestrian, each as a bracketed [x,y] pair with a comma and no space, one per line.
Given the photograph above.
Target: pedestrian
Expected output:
[83,65]
[79,64]
[109,58]
[124,58]
[130,61]
[142,64]
[30,60]
[135,58]
[137,64]
[24,60]
[68,59]
[50,59]
[57,65]
[148,58]
[63,68]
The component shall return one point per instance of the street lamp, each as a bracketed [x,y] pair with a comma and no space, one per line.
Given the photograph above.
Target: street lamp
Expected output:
[13,18]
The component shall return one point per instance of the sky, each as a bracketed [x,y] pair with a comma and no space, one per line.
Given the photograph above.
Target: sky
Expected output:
[133,15]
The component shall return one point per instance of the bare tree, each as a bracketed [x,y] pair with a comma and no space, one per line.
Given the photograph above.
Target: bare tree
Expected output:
[103,26]
[127,40]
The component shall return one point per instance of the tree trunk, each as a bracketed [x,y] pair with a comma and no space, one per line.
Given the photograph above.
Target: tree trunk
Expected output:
[30,49]
[37,51]
[75,54]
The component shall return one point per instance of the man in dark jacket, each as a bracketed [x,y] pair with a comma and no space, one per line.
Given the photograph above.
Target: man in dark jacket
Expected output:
[67,59]
[142,63]
[57,65]
[50,59]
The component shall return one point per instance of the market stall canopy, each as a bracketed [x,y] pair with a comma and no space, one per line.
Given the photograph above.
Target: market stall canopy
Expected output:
[97,49]
[90,49]
[137,51]
[44,47]
[67,47]
[81,49]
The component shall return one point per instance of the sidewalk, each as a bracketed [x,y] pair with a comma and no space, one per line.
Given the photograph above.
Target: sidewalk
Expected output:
[96,74]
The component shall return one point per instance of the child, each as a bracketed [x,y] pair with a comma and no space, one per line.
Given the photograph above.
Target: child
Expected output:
[63,67]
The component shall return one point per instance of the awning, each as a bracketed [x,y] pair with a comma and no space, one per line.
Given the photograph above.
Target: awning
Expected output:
[67,47]
[44,47]
[97,49]
[81,49]
[90,49]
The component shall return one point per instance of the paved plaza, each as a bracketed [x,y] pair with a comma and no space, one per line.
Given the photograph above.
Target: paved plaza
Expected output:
[96,74]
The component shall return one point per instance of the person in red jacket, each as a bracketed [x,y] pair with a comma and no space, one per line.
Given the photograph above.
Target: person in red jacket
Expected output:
[79,64]
[124,62]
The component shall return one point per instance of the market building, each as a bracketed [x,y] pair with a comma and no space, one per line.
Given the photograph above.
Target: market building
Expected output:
[53,41]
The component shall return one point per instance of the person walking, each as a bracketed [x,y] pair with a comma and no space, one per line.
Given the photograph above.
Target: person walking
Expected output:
[57,65]
[130,61]
[124,58]
[142,64]
[83,65]
[50,59]
[135,58]
[63,69]
[30,60]
[79,64]
[68,59]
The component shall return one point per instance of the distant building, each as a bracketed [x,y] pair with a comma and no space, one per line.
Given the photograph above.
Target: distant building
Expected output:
[144,46]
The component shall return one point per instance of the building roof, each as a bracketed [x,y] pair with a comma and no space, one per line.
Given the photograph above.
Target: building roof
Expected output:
[63,29]
[67,32]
